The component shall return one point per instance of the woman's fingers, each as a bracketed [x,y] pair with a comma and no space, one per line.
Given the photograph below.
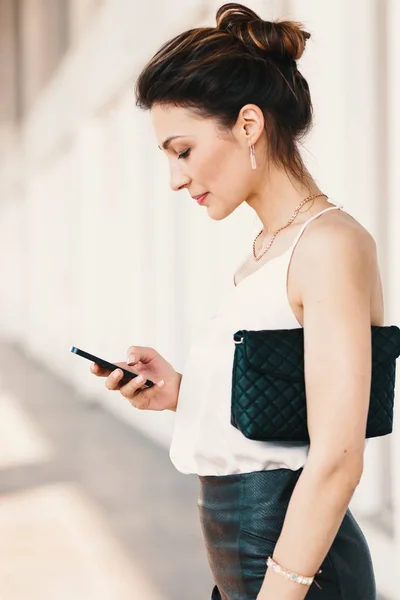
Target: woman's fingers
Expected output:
[99,371]
[154,367]
[113,380]
[131,392]
[141,354]
[103,372]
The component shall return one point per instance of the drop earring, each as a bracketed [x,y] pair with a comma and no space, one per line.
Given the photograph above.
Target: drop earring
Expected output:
[252,157]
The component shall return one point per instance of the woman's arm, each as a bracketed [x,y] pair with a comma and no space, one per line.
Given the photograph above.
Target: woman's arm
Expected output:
[335,294]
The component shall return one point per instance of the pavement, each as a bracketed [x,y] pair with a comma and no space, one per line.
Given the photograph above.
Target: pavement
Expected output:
[89,507]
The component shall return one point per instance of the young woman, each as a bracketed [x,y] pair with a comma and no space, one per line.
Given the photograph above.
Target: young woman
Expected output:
[229,106]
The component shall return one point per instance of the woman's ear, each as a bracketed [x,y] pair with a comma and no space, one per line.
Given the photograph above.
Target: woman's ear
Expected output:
[250,123]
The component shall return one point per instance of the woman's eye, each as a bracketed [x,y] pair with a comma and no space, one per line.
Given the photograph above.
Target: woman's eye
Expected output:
[184,154]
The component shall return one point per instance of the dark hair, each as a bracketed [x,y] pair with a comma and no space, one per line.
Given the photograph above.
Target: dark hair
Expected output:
[244,59]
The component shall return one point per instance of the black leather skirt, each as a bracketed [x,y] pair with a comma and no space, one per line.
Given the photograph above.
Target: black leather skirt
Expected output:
[242,516]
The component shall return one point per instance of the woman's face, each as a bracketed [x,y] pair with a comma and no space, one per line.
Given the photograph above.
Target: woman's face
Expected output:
[205,160]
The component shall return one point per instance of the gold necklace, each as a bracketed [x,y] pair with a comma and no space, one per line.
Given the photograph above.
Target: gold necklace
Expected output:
[294,215]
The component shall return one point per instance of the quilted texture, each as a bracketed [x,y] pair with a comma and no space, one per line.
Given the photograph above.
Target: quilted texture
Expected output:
[268,385]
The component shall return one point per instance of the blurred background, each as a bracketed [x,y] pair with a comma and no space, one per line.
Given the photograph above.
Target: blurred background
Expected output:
[96,251]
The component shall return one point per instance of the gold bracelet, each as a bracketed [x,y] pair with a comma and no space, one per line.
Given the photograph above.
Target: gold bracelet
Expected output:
[289,575]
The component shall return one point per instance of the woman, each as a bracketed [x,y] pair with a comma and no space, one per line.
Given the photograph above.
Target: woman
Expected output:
[229,107]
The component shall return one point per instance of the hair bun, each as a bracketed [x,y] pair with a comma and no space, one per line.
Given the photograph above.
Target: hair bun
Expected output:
[281,39]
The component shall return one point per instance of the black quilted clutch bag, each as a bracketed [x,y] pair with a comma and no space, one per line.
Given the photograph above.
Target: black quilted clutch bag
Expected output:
[268,386]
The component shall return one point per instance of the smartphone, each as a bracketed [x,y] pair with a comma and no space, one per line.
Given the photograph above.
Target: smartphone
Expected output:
[128,375]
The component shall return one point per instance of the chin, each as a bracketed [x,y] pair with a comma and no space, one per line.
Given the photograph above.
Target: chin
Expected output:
[216,216]
[219,213]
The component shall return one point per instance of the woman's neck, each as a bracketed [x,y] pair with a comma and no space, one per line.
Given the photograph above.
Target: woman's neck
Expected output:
[276,196]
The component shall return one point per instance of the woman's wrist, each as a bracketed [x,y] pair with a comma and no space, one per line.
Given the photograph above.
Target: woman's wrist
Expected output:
[179,378]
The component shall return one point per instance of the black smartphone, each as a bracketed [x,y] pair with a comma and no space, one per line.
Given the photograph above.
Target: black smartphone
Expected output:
[107,365]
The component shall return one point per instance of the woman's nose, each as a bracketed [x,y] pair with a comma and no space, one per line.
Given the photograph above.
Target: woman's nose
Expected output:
[178,180]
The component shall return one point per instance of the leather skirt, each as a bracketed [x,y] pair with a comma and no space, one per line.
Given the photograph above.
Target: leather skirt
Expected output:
[242,515]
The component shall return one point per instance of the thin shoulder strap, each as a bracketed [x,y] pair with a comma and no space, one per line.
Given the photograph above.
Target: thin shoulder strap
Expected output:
[337,206]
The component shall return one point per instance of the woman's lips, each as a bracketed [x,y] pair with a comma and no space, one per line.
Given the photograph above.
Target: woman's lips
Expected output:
[201,199]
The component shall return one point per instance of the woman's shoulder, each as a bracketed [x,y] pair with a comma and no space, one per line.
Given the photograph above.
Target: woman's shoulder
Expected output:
[337,232]
[336,248]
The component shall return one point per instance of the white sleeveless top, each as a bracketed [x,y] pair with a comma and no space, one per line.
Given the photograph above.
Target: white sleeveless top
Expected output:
[204,442]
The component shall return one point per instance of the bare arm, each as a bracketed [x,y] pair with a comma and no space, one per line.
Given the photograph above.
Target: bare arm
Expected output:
[337,353]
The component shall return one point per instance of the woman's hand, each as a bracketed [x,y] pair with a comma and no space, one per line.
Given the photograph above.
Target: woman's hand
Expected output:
[151,365]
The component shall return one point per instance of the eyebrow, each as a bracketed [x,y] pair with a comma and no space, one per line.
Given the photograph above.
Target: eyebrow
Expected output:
[166,142]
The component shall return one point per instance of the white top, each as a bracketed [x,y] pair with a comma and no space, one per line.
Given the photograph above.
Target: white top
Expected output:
[204,441]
